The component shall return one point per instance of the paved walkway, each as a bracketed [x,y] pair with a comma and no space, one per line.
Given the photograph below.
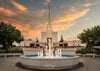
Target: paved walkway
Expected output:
[90,64]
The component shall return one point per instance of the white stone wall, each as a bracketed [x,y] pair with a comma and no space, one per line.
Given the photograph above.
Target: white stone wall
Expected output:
[68,51]
[30,51]
[54,36]
[43,37]
[34,51]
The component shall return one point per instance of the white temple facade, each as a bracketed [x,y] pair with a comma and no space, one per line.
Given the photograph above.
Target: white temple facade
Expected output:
[49,34]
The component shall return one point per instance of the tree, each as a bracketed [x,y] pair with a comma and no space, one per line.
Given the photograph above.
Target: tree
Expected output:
[90,36]
[37,42]
[61,41]
[31,44]
[9,34]
[65,44]
[30,39]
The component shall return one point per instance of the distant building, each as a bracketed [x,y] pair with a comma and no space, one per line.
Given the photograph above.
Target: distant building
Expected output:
[26,42]
[75,43]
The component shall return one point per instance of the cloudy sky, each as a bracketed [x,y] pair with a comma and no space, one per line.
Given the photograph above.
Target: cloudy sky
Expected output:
[68,17]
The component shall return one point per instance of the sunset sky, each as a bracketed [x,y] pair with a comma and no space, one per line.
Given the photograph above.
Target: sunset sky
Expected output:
[68,17]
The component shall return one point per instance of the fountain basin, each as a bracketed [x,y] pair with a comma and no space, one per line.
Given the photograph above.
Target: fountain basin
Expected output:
[49,62]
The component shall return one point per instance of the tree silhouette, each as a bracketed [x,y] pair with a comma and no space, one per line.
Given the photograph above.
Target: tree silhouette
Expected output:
[9,34]
[90,36]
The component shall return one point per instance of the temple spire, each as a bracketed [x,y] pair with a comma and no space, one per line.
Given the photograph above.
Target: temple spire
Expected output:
[49,16]
[49,21]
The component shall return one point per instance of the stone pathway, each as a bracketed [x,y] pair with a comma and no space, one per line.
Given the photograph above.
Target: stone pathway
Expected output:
[90,64]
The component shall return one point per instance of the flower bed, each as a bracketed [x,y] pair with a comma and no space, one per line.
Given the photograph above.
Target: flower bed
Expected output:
[64,47]
[33,47]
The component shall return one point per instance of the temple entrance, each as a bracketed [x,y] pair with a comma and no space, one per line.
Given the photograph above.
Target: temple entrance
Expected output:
[48,39]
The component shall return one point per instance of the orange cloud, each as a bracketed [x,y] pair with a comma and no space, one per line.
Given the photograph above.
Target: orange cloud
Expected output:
[39,12]
[5,21]
[85,19]
[25,29]
[73,9]
[46,2]
[60,27]
[90,4]
[42,26]
[57,24]
[18,6]
[62,6]
[27,32]
[7,12]
[71,17]
[87,4]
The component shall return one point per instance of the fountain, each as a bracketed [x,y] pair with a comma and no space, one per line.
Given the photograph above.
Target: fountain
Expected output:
[49,60]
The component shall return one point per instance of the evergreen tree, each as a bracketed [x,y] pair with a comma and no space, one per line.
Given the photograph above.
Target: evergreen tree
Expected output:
[61,41]
[37,42]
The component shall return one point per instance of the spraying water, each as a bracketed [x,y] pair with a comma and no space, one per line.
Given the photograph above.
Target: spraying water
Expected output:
[49,52]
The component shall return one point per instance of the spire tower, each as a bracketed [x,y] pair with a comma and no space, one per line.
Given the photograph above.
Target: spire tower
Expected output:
[49,21]
[49,29]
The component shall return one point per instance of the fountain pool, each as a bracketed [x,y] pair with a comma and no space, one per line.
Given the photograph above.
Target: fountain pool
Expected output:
[49,57]
[50,60]
[65,61]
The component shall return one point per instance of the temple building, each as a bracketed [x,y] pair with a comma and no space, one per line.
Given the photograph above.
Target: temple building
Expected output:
[49,34]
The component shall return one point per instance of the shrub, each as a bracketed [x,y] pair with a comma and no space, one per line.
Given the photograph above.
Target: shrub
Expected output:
[88,50]
[13,45]
[98,52]
[2,51]
[93,51]
[11,50]
[31,44]
[65,44]
[60,44]
[37,45]
[83,51]
[78,51]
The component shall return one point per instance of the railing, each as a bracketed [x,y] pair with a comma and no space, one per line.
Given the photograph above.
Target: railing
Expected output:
[88,55]
[10,54]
